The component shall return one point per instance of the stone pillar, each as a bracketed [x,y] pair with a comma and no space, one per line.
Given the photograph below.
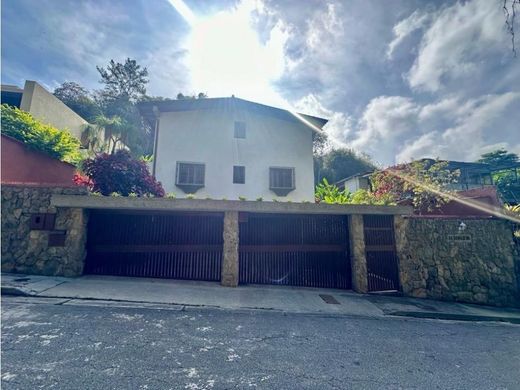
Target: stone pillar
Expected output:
[358,258]
[229,277]
[400,226]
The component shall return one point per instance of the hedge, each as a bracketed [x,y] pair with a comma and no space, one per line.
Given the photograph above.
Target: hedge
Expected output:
[59,144]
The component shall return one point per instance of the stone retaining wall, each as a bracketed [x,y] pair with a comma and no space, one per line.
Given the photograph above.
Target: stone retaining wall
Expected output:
[478,264]
[26,250]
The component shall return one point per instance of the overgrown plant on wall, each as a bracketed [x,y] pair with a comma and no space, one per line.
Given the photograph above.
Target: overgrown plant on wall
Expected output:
[122,174]
[21,125]
[329,193]
[515,211]
[423,183]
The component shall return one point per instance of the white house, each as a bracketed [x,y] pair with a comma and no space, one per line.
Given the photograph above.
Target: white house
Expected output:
[229,148]
[360,181]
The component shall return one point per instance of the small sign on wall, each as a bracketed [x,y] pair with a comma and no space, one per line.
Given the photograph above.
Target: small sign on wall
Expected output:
[459,237]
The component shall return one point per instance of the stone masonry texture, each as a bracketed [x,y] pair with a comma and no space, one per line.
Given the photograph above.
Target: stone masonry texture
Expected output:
[27,251]
[358,257]
[230,255]
[478,264]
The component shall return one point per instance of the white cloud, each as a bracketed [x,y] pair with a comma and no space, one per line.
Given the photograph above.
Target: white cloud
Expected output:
[386,120]
[339,125]
[453,45]
[477,126]
[405,27]
[396,129]
[323,26]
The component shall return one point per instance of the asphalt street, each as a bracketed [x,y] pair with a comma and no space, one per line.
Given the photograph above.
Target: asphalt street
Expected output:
[50,343]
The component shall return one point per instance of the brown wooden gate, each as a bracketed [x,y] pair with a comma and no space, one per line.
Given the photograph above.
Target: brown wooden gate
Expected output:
[382,268]
[296,250]
[177,246]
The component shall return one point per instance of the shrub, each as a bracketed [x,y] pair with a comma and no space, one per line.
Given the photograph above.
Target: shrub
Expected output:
[59,144]
[329,193]
[121,173]
[84,181]
[242,198]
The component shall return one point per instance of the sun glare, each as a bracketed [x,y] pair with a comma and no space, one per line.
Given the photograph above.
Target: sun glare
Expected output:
[226,56]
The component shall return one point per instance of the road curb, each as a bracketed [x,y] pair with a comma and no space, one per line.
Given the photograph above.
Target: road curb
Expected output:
[8,290]
[454,316]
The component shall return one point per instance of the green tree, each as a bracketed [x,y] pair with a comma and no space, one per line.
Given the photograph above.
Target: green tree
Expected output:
[200,95]
[21,125]
[125,84]
[126,80]
[78,99]
[499,159]
[506,173]
[341,163]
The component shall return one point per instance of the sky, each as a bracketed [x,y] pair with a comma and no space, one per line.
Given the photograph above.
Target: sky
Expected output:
[397,80]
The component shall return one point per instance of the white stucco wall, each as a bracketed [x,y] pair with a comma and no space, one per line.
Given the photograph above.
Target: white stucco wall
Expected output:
[356,183]
[207,136]
[46,107]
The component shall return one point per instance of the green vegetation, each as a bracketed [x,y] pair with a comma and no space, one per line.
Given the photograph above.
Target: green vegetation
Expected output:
[113,113]
[59,144]
[337,164]
[515,211]
[330,193]
[79,100]
[506,173]
[422,183]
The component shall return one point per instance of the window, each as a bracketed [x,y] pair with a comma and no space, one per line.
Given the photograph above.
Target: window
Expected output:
[239,174]
[281,180]
[240,130]
[190,176]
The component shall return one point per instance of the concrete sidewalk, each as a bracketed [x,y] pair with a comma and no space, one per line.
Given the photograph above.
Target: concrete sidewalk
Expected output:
[278,298]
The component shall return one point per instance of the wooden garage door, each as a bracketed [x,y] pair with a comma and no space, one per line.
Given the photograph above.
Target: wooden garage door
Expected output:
[296,250]
[178,246]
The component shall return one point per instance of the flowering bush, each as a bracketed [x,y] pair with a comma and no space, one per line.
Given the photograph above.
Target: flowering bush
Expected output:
[83,181]
[425,183]
[122,174]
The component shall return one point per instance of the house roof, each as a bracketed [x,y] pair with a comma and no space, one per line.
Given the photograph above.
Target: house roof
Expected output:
[148,108]
[10,88]
[362,174]
[473,167]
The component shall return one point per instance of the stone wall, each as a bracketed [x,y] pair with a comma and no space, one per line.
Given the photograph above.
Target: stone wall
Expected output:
[26,250]
[476,265]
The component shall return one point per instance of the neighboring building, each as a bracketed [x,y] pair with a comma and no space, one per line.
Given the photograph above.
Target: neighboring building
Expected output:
[472,175]
[356,182]
[44,106]
[231,148]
